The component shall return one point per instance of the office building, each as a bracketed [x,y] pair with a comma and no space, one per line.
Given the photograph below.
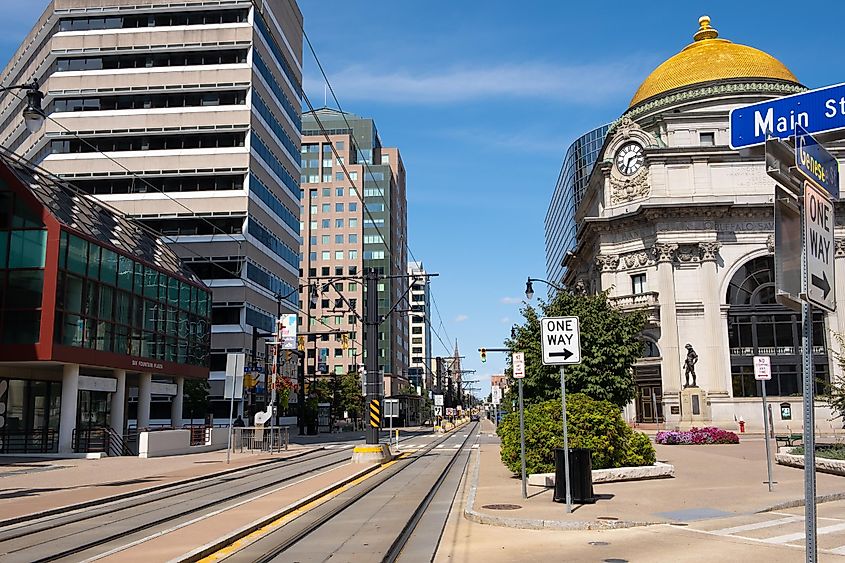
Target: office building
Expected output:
[91,305]
[186,117]
[343,237]
[419,370]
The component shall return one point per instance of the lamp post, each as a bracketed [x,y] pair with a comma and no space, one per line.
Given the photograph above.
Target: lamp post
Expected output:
[33,115]
[529,288]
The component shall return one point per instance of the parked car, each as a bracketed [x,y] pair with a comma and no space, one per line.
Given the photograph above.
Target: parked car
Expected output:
[474,418]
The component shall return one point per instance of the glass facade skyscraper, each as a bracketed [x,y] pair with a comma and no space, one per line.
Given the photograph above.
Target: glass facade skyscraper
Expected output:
[571,184]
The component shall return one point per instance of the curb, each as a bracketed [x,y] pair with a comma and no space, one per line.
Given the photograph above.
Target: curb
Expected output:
[800,502]
[123,496]
[215,546]
[537,524]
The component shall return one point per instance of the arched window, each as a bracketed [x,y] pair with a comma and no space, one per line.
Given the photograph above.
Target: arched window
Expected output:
[759,326]
[650,349]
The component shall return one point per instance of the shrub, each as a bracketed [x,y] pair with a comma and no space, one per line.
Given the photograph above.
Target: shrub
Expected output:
[708,435]
[592,424]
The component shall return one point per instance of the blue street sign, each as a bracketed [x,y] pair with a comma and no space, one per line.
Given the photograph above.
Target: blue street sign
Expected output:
[815,110]
[814,162]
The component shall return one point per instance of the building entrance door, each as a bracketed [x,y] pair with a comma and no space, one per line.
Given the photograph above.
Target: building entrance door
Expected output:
[649,401]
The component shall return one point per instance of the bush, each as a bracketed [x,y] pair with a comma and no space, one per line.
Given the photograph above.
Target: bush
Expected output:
[708,435]
[592,424]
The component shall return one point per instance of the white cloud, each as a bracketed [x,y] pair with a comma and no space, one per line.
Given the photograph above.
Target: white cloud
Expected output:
[511,300]
[505,320]
[582,83]
[461,318]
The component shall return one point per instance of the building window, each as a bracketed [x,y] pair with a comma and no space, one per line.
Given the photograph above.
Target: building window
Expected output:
[338,239]
[707,139]
[638,284]
[325,255]
[338,207]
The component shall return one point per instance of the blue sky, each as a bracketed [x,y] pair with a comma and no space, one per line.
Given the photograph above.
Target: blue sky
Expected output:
[482,99]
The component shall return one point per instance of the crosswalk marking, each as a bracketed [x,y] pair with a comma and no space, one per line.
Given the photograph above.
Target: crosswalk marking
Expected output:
[757,526]
[439,446]
[800,535]
[456,446]
[475,446]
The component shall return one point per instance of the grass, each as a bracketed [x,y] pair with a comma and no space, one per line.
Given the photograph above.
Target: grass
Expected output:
[830,452]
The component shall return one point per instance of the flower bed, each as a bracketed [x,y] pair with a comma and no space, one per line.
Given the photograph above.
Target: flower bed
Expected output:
[709,435]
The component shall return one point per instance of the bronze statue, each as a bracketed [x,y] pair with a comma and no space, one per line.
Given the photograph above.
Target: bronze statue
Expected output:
[689,366]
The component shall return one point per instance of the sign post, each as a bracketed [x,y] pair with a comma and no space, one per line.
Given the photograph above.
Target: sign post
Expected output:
[561,343]
[391,411]
[234,386]
[519,374]
[763,373]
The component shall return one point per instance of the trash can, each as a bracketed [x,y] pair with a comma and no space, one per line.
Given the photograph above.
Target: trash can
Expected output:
[580,476]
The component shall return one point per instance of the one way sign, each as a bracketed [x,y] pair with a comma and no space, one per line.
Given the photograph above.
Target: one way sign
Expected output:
[819,248]
[561,341]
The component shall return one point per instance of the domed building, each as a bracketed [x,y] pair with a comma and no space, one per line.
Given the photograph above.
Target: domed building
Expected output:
[674,222]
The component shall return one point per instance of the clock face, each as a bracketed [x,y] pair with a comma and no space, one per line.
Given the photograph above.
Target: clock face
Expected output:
[630,159]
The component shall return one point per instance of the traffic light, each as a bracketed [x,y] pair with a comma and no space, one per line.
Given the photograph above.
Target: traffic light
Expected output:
[344,339]
[483,355]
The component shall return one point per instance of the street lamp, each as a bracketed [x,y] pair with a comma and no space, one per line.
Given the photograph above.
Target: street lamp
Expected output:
[33,115]
[529,288]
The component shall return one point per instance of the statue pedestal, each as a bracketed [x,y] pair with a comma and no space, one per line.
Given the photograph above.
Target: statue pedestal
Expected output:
[694,408]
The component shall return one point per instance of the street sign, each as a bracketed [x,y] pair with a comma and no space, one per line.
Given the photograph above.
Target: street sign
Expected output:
[496,393]
[287,332]
[762,368]
[815,163]
[816,111]
[234,387]
[561,341]
[518,365]
[390,408]
[788,262]
[819,283]
[438,400]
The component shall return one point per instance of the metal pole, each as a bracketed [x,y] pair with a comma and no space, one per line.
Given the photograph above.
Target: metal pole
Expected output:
[231,409]
[565,441]
[371,322]
[811,549]
[766,436]
[522,441]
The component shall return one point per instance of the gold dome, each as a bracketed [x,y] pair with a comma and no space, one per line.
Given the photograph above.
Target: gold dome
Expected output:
[709,58]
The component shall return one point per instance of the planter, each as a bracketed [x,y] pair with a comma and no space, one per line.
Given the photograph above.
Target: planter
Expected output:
[696,436]
[823,465]
[657,471]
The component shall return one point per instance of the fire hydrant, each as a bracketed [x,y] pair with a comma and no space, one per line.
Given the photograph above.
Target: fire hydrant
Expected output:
[741,425]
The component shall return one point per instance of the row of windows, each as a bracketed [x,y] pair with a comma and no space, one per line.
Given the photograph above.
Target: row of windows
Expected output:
[338,255]
[352,238]
[277,90]
[274,164]
[338,207]
[147,143]
[327,147]
[271,201]
[205,17]
[374,255]
[275,126]
[276,52]
[338,271]
[150,101]
[215,268]
[196,225]
[267,238]
[152,60]
[163,184]
[271,282]
[338,224]
[327,192]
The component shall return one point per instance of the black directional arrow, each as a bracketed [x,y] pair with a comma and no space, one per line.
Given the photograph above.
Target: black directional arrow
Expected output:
[566,354]
[821,283]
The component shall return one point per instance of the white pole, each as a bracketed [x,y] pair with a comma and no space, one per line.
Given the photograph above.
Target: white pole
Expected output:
[565,441]
[231,409]
[522,441]
[766,437]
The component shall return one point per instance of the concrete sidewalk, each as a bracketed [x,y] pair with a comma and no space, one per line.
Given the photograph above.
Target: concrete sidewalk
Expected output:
[710,482]
[32,485]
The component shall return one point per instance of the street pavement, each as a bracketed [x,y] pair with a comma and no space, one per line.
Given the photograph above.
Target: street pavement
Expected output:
[710,510]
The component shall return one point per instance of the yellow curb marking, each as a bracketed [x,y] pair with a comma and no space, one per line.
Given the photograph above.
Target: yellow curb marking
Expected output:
[282,520]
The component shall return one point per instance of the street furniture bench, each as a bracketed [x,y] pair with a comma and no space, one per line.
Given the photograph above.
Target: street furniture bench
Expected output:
[789,439]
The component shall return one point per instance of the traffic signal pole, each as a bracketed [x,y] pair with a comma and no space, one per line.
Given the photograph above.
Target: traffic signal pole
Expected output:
[371,324]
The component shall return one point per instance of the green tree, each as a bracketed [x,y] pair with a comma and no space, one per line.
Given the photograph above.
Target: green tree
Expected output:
[195,400]
[610,344]
[350,398]
[835,390]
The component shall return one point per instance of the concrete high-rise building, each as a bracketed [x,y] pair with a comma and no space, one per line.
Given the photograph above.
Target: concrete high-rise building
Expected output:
[341,239]
[419,370]
[186,117]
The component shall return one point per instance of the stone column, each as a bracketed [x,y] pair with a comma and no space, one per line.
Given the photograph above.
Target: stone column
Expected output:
[711,372]
[607,264]
[145,381]
[70,396]
[837,319]
[176,403]
[118,403]
[668,343]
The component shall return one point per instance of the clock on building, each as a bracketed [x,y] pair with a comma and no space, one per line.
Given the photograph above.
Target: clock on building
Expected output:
[630,159]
